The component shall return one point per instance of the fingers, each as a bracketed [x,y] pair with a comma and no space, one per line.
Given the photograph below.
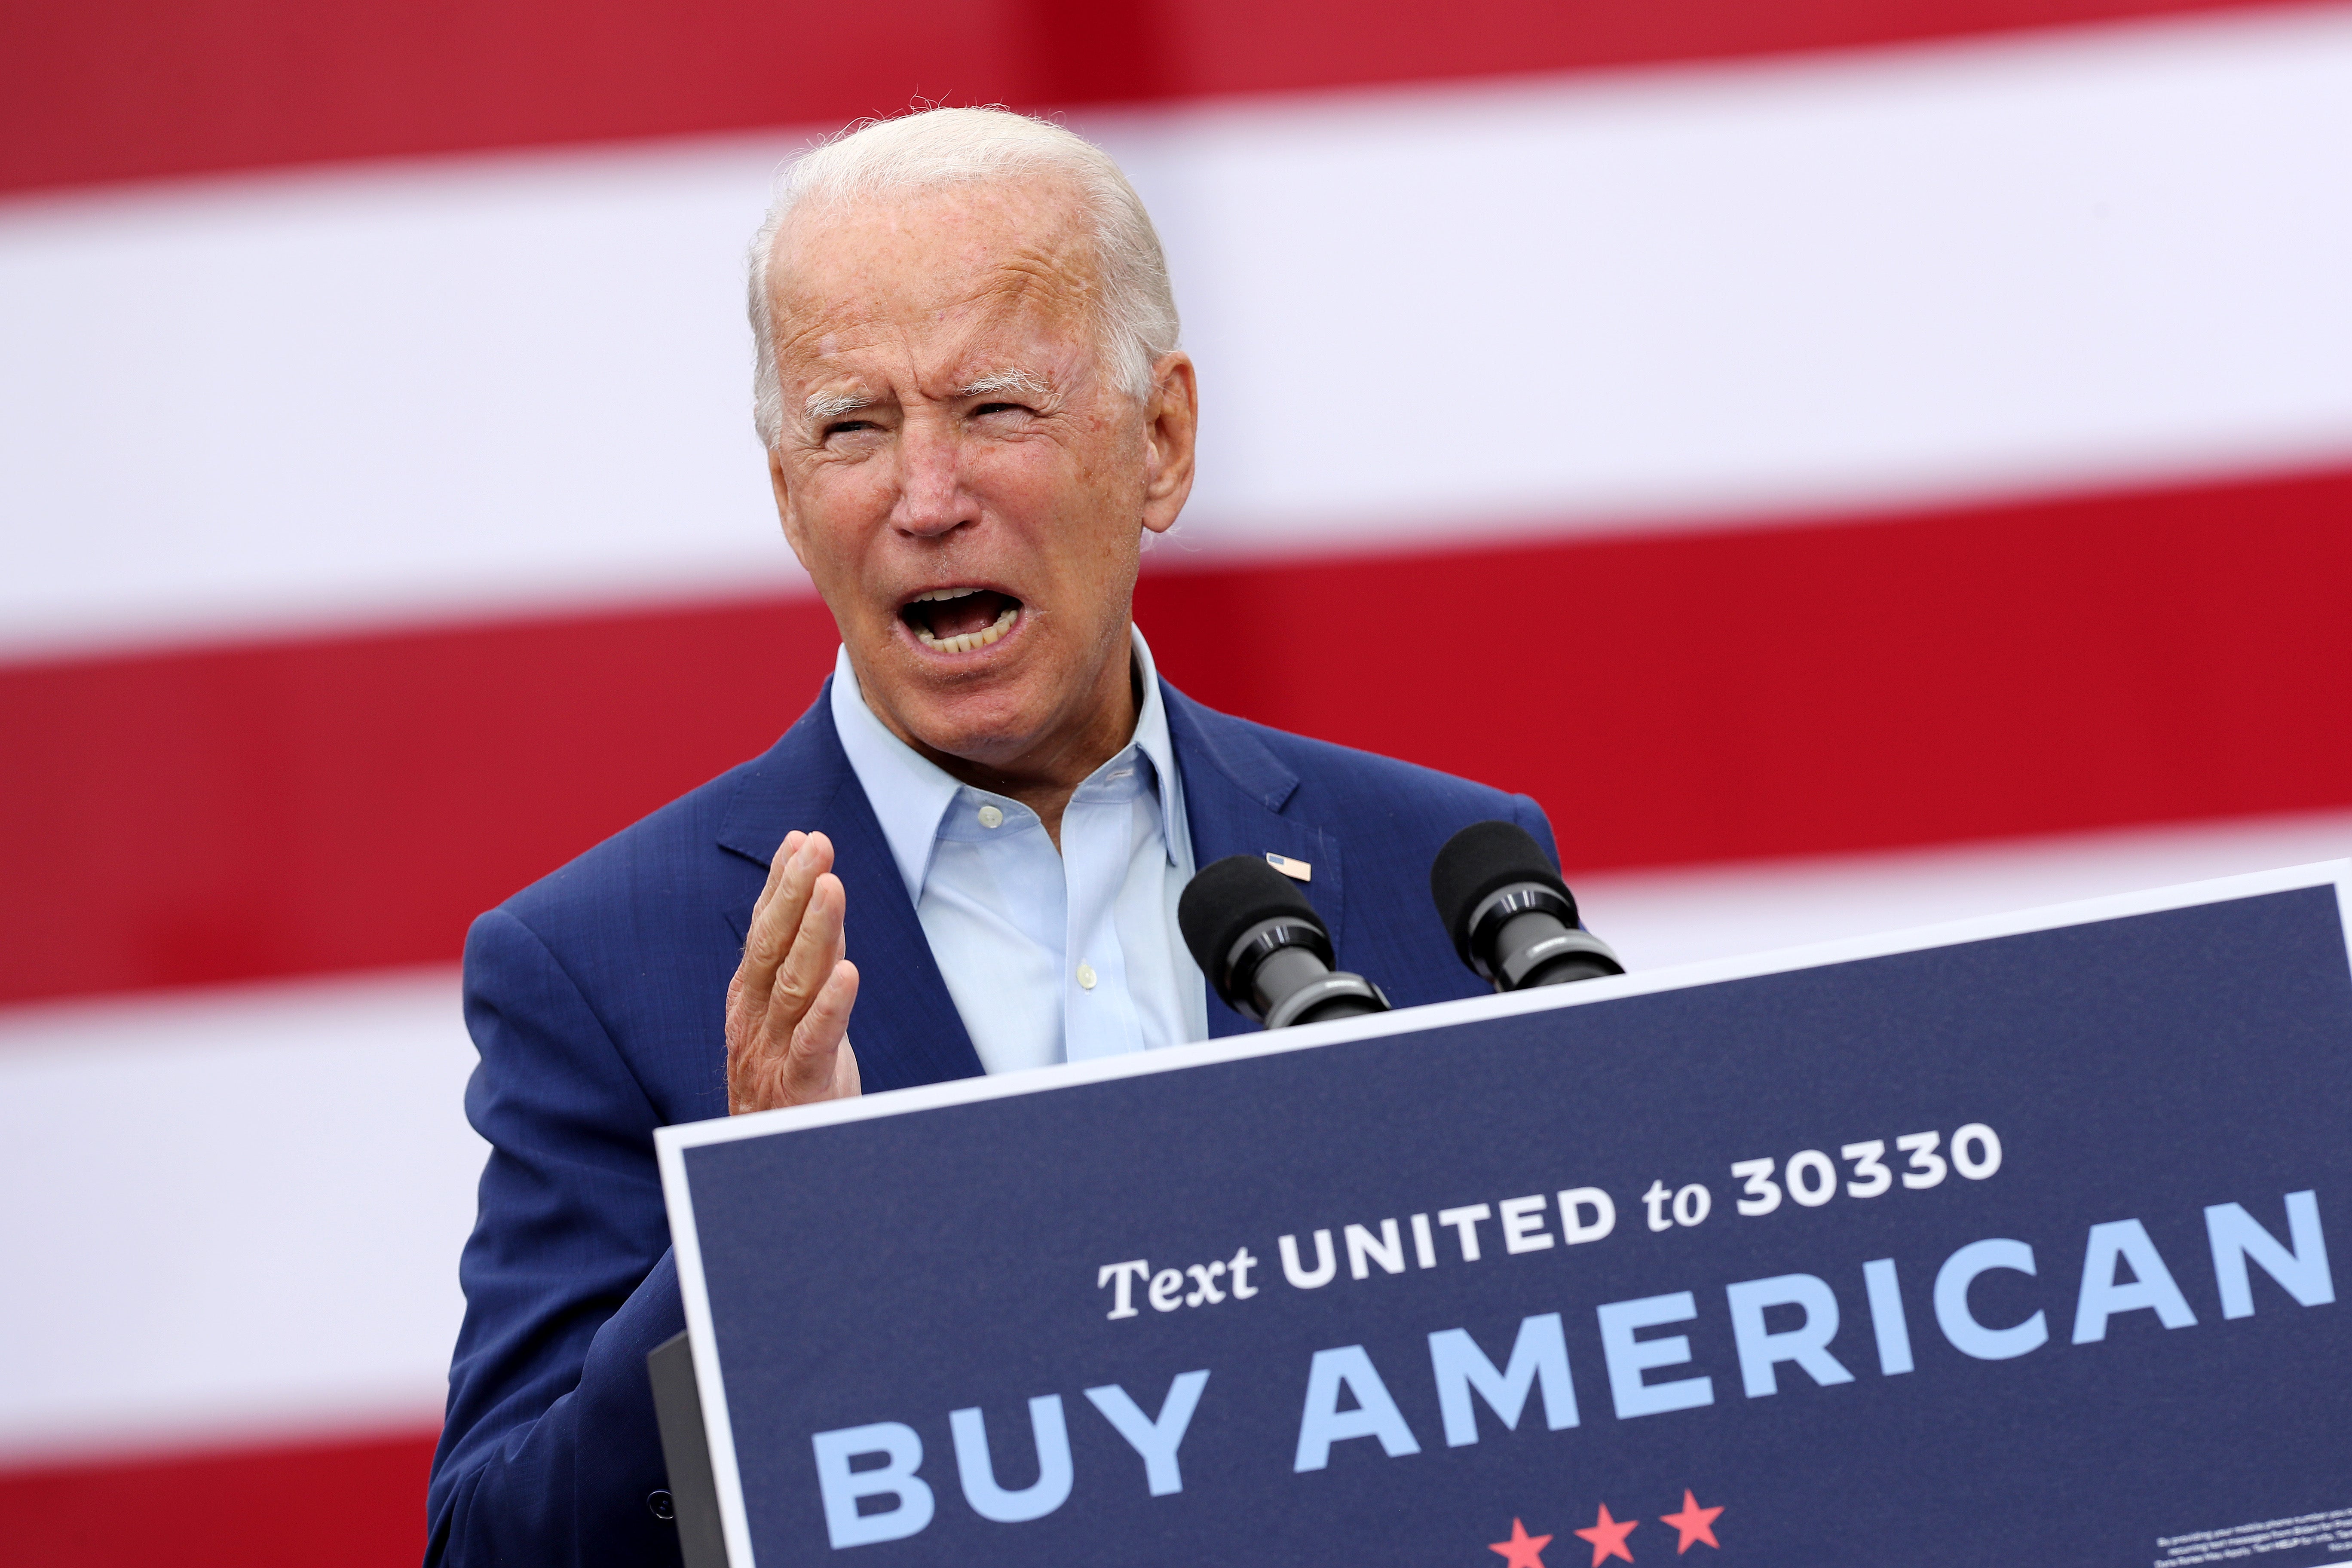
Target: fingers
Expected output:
[815,1067]
[788,1006]
[785,851]
[800,861]
[759,972]
[816,1063]
[817,946]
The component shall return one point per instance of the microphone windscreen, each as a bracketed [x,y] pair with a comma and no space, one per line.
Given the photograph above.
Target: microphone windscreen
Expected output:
[1227,897]
[1480,860]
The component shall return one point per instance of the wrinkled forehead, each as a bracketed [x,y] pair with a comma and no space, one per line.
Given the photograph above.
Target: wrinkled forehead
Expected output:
[1011,253]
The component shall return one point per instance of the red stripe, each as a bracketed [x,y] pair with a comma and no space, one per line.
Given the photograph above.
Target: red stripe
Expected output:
[314,807]
[2020,670]
[355,1505]
[110,90]
[293,808]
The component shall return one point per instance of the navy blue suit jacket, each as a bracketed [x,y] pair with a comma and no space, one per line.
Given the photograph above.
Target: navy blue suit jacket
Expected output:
[597,999]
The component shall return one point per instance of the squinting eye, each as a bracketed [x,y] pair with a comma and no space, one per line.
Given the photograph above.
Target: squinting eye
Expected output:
[998,408]
[847,424]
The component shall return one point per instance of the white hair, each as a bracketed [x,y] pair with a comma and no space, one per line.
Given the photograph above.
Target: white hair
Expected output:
[936,147]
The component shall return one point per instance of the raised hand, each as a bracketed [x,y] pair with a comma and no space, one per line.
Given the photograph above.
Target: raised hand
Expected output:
[788,1006]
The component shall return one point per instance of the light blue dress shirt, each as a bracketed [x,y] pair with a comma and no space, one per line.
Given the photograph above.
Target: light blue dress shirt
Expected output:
[1049,957]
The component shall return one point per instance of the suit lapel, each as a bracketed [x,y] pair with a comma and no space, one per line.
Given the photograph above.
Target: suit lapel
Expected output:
[1235,792]
[905,1027]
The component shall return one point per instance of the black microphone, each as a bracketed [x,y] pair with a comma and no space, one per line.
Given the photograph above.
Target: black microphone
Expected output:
[1264,949]
[1510,916]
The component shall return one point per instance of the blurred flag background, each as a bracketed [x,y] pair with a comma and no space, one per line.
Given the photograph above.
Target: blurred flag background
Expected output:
[1856,462]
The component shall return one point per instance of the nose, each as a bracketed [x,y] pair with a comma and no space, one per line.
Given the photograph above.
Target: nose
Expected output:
[931,497]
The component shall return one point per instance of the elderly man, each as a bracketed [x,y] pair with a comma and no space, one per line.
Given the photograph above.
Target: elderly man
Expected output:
[966,854]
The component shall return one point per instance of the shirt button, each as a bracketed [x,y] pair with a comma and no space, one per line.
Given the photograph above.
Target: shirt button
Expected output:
[1086,977]
[991,817]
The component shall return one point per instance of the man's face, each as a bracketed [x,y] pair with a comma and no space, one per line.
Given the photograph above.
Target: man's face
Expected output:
[959,474]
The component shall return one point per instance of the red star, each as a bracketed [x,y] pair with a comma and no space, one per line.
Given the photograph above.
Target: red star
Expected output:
[1522,1550]
[1695,1523]
[1608,1537]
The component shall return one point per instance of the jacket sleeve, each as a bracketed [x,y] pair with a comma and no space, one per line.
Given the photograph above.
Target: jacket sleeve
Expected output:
[1530,816]
[550,1448]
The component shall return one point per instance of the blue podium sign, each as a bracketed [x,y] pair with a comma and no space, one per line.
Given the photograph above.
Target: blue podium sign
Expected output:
[2012,1241]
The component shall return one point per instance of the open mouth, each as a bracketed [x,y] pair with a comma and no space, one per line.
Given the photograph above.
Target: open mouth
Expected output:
[958,620]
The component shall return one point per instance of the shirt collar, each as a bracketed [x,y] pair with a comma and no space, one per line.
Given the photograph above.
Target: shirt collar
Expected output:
[911,794]
[1152,740]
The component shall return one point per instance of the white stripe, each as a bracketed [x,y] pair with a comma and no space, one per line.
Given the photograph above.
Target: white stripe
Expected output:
[1579,303]
[243,1208]
[1657,918]
[476,386]
[232,1216]
[1905,277]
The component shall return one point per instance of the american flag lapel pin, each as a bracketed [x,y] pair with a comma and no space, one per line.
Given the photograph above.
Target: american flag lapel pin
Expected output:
[1297,870]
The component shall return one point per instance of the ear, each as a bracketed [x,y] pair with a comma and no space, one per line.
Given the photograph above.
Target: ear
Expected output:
[1172,425]
[787,513]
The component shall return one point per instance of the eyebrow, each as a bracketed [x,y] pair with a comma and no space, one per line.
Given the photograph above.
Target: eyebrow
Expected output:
[1008,380]
[823,406]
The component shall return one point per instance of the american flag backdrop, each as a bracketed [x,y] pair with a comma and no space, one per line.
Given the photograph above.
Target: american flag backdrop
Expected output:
[1856,462]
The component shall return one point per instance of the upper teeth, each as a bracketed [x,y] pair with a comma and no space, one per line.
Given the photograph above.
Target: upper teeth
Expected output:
[944,594]
[970,640]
